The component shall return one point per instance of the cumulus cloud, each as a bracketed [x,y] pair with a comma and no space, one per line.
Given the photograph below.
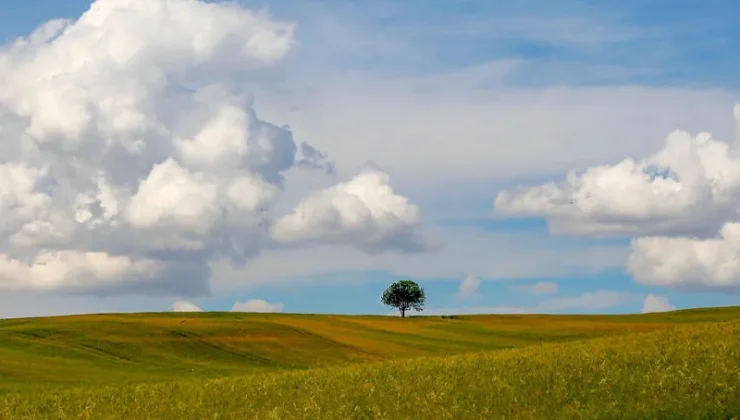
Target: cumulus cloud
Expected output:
[95,273]
[655,303]
[363,212]
[469,285]
[130,159]
[185,306]
[673,202]
[689,263]
[691,185]
[113,173]
[256,305]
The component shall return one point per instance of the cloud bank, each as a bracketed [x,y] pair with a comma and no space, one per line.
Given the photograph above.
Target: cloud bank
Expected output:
[252,305]
[655,303]
[257,305]
[130,161]
[680,205]
[185,306]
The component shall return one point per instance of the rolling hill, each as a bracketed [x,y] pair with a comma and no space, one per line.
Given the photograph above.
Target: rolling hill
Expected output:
[684,368]
[152,347]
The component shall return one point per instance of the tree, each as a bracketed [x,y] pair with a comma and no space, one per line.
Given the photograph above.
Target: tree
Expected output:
[404,295]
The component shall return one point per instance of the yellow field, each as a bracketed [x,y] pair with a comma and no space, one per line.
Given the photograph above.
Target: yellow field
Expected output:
[254,365]
[685,372]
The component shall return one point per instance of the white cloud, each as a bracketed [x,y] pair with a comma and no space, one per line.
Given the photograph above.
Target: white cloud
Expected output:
[541,288]
[364,212]
[691,185]
[131,158]
[185,306]
[689,263]
[99,182]
[469,285]
[655,303]
[93,273]
[672,201]
[256,305]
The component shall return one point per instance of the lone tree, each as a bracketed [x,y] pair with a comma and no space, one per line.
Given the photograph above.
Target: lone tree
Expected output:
[404,295]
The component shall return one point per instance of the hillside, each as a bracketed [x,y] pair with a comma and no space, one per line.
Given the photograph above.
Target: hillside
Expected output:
[153,347]
[692,371]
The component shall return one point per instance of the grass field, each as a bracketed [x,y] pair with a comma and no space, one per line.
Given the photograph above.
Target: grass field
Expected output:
[216,365]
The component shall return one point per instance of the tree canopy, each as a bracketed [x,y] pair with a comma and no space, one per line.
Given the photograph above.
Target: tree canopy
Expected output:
[404,295]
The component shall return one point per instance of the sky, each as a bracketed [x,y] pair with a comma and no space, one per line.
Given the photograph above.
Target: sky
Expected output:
[300,156]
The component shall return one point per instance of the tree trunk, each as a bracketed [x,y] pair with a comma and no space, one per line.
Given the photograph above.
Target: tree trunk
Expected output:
[403,313]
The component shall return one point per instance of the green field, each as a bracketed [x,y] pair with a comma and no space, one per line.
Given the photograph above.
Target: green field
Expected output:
[227,365]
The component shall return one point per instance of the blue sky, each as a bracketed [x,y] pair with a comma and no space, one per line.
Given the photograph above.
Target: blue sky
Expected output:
[479,56]
[680,43]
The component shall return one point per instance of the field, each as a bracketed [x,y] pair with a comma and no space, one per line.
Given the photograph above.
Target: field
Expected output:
[683,364]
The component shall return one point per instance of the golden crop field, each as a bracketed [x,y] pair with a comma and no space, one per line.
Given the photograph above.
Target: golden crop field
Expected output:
[683,364]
